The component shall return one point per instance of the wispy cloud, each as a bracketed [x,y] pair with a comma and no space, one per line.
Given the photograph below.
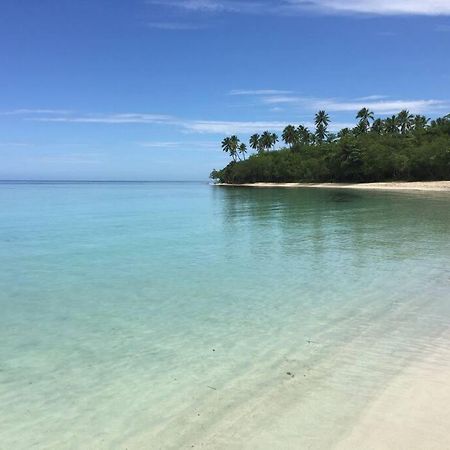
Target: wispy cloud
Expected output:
[373,7]
[377,103]
[279,99]
[108,118]
[199,126]
[212,6]
[384,106]
[193,126]
[294,103]
[256,92]
[13,144]
[23,111]
[231,127]
[175,26]
[372,97]
[237,127]
[376,7]
[178,145]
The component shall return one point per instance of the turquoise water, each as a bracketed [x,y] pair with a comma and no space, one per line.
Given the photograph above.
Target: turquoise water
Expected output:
[167,315]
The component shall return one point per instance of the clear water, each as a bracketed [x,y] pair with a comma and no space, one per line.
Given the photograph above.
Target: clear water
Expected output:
[167,315]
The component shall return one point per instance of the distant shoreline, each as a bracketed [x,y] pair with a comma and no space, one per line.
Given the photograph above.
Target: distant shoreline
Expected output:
[435,186]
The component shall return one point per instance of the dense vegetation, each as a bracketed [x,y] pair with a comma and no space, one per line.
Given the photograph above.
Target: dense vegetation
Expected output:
[401,147]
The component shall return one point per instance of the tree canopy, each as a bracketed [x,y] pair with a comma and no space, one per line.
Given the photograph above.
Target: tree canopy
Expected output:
[400,147]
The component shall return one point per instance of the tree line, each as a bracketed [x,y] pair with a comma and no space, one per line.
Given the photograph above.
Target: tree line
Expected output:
[401,146]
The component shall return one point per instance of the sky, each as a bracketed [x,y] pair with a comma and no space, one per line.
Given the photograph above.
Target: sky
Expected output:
[147,89]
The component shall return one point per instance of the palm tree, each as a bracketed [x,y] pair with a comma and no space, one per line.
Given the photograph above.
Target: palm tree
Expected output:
[359,129]
[420,122]
[391,124]
[378,126]
[405,121]
[274,139]
[365,116]
[255,142]
[304,135]
[344,132]
[266,141]
[440,121]
[321,120]
[321,133]
[226,146]
[242,150]
[290,135]
[234,144]
[230,145]
[331,137]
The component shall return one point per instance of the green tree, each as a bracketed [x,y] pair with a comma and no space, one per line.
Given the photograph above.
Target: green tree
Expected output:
[226,146]
[420,122]
[344,132]
[391,124]
[266,141]
[321,120]
[242,150]
[378,126]
[405,121]
[255,141]
[234,142]
[273,139]
[364,116]
[290,135]
[304,135]
[381,155]
[230,145]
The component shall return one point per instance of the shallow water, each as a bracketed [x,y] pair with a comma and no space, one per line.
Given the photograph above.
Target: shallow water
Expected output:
[167,315]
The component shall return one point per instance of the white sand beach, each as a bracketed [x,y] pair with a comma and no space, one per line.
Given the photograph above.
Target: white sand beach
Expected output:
[437,186]
[413,412]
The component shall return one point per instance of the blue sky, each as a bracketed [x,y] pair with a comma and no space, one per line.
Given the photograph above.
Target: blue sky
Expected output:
[146,89]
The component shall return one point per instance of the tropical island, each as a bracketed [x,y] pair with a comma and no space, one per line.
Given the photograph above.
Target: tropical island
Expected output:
[402,147]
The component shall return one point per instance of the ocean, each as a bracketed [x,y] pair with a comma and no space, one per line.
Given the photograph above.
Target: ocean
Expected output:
[184,315]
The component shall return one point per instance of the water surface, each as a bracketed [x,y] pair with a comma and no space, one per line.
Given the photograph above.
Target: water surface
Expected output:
[167,315]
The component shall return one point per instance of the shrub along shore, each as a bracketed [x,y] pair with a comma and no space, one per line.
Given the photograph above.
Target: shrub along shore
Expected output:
[402,147]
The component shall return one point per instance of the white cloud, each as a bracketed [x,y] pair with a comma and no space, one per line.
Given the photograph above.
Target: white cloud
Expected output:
[237,127]
[14,144]
[19,112]
[257,92]
[372,97]
[377,103]
[175,26]
[178,144]
[385,106]
[279,99]
[109,118]
[377,7]
[199,126]
[231,127]
[211,6]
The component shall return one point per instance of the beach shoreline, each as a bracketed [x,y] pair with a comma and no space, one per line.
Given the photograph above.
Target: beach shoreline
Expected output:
[432,186]
[412,411]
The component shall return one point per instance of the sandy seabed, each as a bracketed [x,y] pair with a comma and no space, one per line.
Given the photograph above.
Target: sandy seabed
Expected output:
[436,186]
[413,412]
